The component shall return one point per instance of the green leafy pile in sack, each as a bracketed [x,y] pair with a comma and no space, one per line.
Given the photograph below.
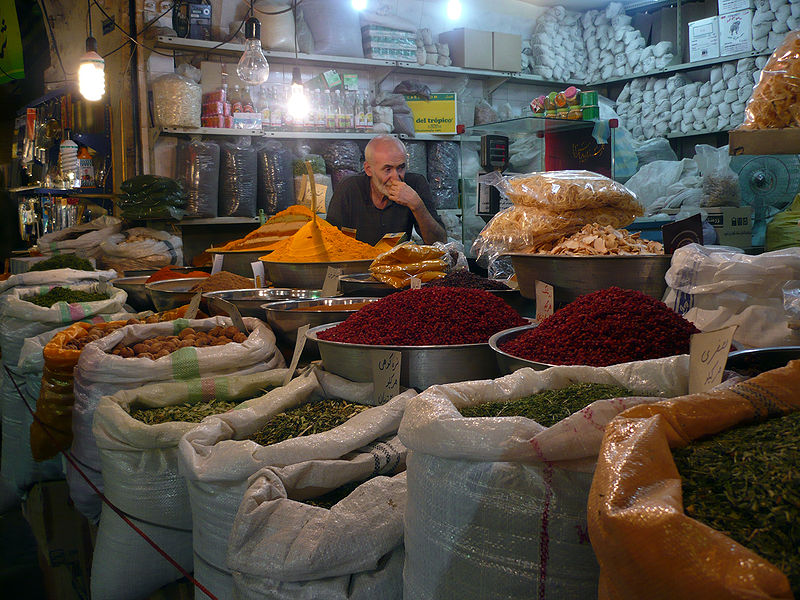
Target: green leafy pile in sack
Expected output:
[152,197]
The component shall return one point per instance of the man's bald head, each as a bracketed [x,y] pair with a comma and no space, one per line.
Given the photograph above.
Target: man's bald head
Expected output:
[382,144]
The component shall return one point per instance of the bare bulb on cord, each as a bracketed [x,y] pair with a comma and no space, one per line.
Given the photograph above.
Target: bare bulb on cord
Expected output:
[298,105]
[91,73]
[253,67]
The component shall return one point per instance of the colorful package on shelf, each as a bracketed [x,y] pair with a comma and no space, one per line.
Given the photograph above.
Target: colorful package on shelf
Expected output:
[218,95]
[389,44]
[211,109]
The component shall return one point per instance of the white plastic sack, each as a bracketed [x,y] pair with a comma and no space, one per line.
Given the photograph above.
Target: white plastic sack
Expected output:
[497,506]
[99,374]
[141,248]
[140,476]
[83,239]
[718,289]
[334,26]
[177,101]
[217,460]
[55,277]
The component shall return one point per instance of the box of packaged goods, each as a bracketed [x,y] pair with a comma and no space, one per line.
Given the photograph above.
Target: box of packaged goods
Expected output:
[434,115]
[386,43]
[470,48]
[735,33]
[506,52]
[734,225]
[730,6]
[704,39]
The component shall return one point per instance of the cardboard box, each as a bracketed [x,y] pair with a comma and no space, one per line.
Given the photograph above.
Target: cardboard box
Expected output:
[470,48]
[734,226]
[730,6]
[735,33]
[506,52]
[704,39]
[437,115]
[764,141]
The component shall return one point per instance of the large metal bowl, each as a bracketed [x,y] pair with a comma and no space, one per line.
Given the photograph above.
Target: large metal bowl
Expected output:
[573,276]
[509,363]
[526,307]
[309,275]
[172,293]
[138,296]
[250,301]
[364,284]
[285,320]
[238,261]
[758,360]
[421,366]
[148,272]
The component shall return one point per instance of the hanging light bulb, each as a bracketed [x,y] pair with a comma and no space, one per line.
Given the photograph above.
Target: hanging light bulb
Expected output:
[359,4]
[253,68]
[454,10]
[91,73]
[298,103]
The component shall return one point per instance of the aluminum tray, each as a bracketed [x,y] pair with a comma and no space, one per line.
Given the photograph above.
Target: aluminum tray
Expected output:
[138,295]
[758,360]
[238,261]
[507,362]
[172,293]
[309,275]
[250,301]
[363,284]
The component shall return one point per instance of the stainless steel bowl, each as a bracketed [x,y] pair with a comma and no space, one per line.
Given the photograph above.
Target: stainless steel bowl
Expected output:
[514,298]
[285,320]
[309,275]
[138,296]
[507,362]
[148,272]
[172,293]
[250,301]
[573,276]
[238,261]
[421,366]
[758,360]
[364,284]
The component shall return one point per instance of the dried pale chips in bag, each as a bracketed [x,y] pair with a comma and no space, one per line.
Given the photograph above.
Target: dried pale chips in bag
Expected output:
[396,266]
[776,99]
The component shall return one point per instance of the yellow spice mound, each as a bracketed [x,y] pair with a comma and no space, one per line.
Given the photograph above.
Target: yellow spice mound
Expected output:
[277,229]
[319,241]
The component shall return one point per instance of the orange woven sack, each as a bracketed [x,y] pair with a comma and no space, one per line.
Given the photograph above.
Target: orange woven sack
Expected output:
[646,545]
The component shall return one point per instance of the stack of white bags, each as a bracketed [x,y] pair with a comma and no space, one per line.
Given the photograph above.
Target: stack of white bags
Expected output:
[556,51]
[771,20]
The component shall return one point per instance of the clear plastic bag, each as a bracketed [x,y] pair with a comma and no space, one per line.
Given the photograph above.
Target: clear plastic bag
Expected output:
[238,179]
[342,154]
[275,180]
[197,169]
[417,155]
[720,183]
[397,266]
[444,160]
[791,301]
[176,101]
[775,102]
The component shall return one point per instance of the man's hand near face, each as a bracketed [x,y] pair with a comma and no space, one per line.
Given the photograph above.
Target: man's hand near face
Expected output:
[403,194]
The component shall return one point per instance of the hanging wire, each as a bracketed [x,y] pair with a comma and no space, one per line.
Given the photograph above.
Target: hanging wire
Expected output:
[52,36]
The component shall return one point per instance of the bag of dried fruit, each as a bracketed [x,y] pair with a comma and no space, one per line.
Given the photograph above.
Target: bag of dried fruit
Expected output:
[137,433]
[510,491]
[161,352]
[317,417]
[301,534]
[740,484]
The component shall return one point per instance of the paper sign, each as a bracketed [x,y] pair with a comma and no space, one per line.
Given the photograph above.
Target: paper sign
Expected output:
[349,232]
[306,197]
[708,353]
[544,300]
[386,374]
[331,285]
[194,305]
[299,344]
[216,266]
[416,283]
[680,233]
[233,313]
[258,273]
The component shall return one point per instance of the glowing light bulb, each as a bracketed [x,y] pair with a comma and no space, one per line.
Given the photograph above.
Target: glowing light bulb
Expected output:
[359,4]
[253,68]
[454,10]
[91,73]
[298,105]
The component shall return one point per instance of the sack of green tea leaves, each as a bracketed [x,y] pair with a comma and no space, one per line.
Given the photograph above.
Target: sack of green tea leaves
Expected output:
[137,433]
[302,533]
[511,490]
[316,417]
[100,373]
[697,497]
[83,239]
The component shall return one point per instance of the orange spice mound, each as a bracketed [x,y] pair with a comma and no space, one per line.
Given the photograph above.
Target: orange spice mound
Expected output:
[319,241]
[167,273]
[277,229]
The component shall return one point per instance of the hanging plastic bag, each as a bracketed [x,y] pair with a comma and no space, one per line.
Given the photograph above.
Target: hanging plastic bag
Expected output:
[720,183]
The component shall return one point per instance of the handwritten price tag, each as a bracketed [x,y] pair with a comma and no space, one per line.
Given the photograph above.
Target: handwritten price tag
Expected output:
[708,353]
[216,266]
[331,284]
[416,283]
[386,374]
[544,300]
[299,344]
[258,273]
[194,306]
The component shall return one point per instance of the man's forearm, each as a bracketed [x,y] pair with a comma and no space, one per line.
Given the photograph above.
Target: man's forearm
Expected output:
[429,228]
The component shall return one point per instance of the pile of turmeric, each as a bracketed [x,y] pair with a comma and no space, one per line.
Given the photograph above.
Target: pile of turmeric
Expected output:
[319,241]
[276,230]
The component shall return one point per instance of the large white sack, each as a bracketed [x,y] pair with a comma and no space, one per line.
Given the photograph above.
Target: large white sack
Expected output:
[718,289]
[99,374]
[55,277]
[141,248]
[85,238]
[217,460]
[497,506]
[140,476]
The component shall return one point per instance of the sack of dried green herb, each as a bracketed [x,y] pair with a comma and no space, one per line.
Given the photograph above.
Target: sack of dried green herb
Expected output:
[217,458]
[137,433]
[54,277]
[510,491]
[285,545]
[647,546]
[99,373]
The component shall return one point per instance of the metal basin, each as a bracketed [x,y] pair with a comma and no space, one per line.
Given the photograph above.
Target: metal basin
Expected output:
[573,276]
[238,261]
[285,320]
[507,362]
[250,301]
[364,284]
[309,275]
[421,366]
[758,360]
[526,307]
[172,293]
[138,296]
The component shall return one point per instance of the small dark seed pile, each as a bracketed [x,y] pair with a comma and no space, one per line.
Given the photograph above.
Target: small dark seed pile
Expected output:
[63,261]
[306,419]
[62,294]
[467,279]
[334,496]
[550,406]
[189,412]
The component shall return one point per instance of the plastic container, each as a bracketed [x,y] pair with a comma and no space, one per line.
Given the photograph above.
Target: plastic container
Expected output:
[591,113]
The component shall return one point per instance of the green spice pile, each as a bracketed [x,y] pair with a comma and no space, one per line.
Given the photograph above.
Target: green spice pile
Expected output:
[550,406]
[334,496]
[63,261]
[745,483]
[62,294]
[185,413]
[306,419]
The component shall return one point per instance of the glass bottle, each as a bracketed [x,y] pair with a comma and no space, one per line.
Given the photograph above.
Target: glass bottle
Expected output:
[330,113]
[288,118]
[236,100]
[276,110]
[368,123]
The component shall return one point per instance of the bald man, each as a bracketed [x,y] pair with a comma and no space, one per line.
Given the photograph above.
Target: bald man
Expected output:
[385,198]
